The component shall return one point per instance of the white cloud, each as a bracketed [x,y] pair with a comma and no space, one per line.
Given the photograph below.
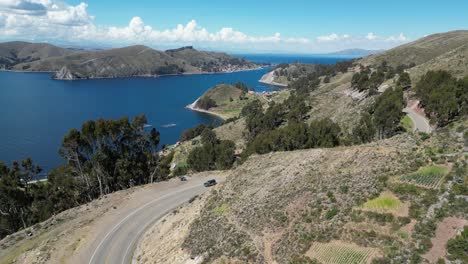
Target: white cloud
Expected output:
[371,36]
[58,21]
[333,37]
[31,8]
[2,21]
[399,38]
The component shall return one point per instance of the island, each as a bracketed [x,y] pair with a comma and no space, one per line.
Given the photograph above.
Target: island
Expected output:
[132,61]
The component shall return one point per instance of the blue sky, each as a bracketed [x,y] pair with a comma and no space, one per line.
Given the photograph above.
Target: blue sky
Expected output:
[257,26]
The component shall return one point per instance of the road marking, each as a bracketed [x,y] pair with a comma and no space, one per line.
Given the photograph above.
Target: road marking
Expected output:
[133,213]
[139,234]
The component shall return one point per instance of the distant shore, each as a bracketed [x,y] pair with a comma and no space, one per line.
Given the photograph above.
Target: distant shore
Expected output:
[137,76]
[193,107]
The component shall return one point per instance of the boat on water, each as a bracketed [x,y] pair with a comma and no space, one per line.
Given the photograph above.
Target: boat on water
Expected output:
[168,125]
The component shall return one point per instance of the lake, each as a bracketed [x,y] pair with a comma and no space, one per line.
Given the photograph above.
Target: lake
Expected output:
[36,111]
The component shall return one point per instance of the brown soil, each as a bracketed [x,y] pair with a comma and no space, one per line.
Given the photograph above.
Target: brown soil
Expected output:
[446,230]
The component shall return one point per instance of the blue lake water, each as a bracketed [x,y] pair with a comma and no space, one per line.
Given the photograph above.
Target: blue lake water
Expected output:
[36,111]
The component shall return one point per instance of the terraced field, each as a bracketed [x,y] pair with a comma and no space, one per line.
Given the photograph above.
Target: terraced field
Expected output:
[387,202]
[428,177]
[338,252]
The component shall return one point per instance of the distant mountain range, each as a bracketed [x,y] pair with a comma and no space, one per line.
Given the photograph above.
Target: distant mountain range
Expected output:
[356,52]
[121,62]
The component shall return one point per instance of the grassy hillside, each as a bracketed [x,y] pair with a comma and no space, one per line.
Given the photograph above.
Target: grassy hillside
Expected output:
[120,62]
[274,206]
[12,53]
[454,61]
[228,100]
[421,50]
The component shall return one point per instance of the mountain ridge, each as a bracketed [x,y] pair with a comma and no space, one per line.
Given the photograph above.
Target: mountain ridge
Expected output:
[136,60]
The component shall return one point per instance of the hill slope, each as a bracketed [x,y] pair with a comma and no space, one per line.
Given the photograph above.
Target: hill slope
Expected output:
[121,62]
[12,53]
[454,61]
[421,50]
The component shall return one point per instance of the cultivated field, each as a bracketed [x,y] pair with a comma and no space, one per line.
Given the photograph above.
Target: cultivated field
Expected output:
[337,252]
[387,202]
[428,177]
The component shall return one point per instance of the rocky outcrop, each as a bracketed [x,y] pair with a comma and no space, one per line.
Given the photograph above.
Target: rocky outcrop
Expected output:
[64,74]
[269,78]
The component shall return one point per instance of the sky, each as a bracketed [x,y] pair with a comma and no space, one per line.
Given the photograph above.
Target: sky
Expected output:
[256,26]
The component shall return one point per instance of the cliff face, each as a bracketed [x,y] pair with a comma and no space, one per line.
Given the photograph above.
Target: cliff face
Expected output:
[64,74]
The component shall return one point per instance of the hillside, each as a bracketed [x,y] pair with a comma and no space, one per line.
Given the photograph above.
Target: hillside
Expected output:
[225,101]
[13,53]
[316,204]
[421,50]
[454,61]
[356,52]
[120,62]
[284,74]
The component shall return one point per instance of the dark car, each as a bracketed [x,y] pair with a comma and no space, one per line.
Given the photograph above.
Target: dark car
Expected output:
[210,183]
[183,178]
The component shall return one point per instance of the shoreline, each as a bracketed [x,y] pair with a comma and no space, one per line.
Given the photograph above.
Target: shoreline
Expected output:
[137,76]
[196,109]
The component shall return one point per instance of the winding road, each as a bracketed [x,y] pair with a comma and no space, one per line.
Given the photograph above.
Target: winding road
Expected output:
[116,237]
[420,122]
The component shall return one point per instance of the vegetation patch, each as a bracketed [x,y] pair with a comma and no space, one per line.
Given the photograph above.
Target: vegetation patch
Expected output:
[338,252]
[385,202]
[407,124]
[428,177]
[222,209]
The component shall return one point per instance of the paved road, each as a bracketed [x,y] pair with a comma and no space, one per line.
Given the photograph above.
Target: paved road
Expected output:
[117,243]
[420,122]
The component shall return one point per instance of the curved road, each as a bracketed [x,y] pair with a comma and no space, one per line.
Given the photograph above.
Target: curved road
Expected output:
[420,122]
[115,242]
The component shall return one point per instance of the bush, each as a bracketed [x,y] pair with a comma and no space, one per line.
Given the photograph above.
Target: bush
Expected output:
[214,154]
[192,133]
[206,103]
[457,248]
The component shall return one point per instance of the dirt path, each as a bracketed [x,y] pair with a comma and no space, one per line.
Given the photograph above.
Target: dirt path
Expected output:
[446,230]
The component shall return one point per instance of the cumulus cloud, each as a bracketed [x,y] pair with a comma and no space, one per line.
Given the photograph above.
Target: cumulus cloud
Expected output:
[371,36]
[332,37]
[2,21]
[399,38]
[56,20]
[23,7]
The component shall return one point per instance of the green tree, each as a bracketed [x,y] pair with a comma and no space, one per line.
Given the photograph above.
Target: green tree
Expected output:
[365,130]
[457,248]
[387,112]
[206,103]
[442,96]
[404,80]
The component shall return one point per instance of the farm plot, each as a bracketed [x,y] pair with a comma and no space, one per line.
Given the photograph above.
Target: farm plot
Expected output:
[338,252]
[387,202]
[428,177]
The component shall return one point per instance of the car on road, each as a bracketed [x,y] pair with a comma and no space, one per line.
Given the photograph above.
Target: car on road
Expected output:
[210,183]
[183,178]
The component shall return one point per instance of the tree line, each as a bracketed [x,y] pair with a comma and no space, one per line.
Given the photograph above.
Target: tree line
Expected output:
[443,96]
[102,157]
[369,79]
